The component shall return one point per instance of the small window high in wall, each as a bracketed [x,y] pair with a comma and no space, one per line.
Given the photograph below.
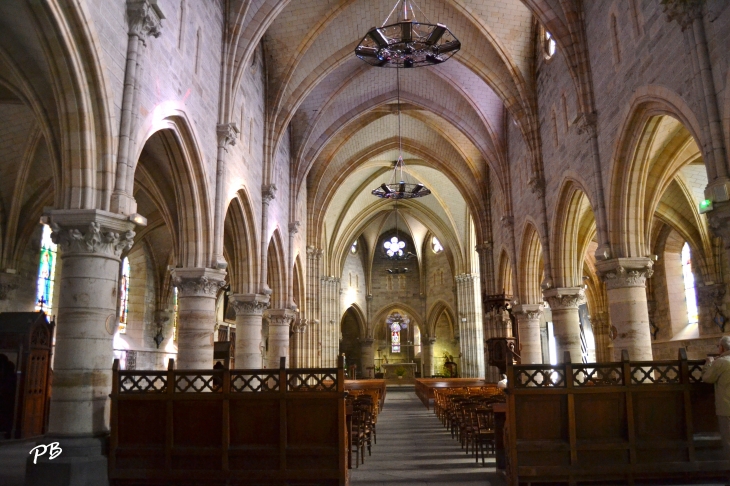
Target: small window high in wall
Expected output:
[549,47]
[46,272]
[689,286]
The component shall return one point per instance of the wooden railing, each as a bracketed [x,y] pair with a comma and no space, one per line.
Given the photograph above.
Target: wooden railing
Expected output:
[609,421]
[228,427]
[426,386]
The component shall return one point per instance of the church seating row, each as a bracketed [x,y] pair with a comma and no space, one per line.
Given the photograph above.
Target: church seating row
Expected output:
[425,386]
[216,427]
[370,386]
[621,421]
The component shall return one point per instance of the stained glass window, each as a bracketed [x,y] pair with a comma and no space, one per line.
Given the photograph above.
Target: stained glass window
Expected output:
[689,285]
[124,297]
[174,314]
[395,338]
[46,272]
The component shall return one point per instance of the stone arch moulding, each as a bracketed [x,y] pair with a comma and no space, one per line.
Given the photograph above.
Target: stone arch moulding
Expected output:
[362,323]
[277,270]
[192,189]
[647,102]
[437,308]
[382,313]
[243,269]
[531,254]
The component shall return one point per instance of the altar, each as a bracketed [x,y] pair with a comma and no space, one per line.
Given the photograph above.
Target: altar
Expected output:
[392,371]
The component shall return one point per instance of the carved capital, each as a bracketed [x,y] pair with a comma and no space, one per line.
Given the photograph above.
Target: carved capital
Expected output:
[227,135]
[314,253]
[507,221]
[562,298]
[530,312]
[587,123]
[537,185]
[281,317]
[249,304]
[145,18]
[91,232]
[683,11]
[198,282]
[719,222]
[620,273]
[367,342]
[487,246]
[294,227]
[268,193]
[298,326]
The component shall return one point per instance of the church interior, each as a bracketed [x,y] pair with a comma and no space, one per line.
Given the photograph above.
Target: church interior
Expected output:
[409,200]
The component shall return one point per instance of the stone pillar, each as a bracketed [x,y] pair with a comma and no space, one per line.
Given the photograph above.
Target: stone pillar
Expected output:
[227,134]
[528,321]
[312,309]
[298,328]
[197,290]
[90,245]
[279,325]
[293,230]
[427,355]
[367,357]
[471,330]
[249,341]
[626,289]
[604,347]
[564,302]
[268,194]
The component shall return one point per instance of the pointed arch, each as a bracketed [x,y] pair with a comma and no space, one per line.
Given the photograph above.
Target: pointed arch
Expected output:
[277,267]
[434,314]
[241,244]
[504,277]
[531,265]
[359,316]
[379,319]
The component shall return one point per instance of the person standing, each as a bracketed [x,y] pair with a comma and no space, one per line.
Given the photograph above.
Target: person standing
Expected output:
[717,371]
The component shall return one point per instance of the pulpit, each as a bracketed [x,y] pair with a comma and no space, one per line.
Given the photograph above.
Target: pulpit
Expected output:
[399,371]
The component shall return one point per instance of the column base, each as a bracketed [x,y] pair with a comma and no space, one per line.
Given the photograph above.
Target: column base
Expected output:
[82,462]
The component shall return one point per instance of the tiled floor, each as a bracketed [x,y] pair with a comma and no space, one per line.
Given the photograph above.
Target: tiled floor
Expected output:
[414,448]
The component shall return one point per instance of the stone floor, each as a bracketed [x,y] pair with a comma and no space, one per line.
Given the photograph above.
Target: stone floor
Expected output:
[414,448]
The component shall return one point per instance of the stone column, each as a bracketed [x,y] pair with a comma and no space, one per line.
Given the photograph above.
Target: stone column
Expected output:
[145,20]
[604,348]
[367,357]
[90,245]
[279,324]
[227,135]
[626,289]
[564,302]
[249,316]
[293,230]
[197,290]
[528,321]
[471,329]
[268,194]
[427,355]
[298,328]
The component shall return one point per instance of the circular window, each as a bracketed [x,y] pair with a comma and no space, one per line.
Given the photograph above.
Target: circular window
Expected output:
[394,247]
[436,245]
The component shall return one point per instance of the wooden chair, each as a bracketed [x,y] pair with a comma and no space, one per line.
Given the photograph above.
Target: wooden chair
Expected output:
[485,432]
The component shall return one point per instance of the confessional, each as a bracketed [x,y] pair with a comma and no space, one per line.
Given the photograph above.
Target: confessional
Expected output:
[26,340]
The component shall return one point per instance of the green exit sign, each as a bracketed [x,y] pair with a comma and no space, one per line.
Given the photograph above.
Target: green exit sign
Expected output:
[705,206]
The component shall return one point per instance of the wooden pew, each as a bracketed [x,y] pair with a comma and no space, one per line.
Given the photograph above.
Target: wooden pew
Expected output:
[370,384]
[610,421]
[228,427]
[426,386]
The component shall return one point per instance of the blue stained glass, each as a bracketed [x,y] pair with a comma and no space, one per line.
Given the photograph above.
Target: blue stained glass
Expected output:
[124,297]
[689,285]
[46,272]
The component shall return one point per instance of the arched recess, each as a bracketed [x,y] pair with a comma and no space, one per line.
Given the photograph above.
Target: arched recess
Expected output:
[531,266]
[240,244]
[298,285]
[380,315]
[275,271]
[352,332]
[659,137]
[170,171]
[359,317]
[504,275]
[574,229]
[439,308]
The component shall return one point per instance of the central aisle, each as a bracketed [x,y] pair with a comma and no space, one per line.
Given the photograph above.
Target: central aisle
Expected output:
[414,448]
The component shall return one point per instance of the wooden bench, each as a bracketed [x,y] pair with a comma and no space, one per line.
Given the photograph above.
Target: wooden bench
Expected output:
[228,427]
[426,386]
[370,384]
[572,423]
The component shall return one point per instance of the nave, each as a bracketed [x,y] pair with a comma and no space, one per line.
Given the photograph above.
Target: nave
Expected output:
[414,448]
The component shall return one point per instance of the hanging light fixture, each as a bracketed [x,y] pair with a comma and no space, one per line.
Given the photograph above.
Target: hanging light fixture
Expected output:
[407,43]
[395,248]
[399,186]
